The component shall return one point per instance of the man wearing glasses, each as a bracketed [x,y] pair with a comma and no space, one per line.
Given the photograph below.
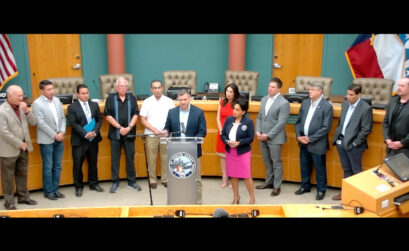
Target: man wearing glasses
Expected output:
[153,114]
[312,127]
[121,111]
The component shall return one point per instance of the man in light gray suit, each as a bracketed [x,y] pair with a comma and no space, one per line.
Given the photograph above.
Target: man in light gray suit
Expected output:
[270,131]
[15,143]
[312,127]
[50,134]
[354,126]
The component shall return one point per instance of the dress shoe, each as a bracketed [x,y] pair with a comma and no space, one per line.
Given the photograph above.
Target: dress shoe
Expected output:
[337,197]
[276,191]
[264,186]
[28,202]
[59,195]
[10,206]
[153,185]
[165,184]
[320,196]
[51,196]
[301,191]
[78,192]
[96,188]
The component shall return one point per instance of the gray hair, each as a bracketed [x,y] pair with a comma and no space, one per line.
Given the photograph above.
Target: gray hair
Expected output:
[183,92]
[318,85]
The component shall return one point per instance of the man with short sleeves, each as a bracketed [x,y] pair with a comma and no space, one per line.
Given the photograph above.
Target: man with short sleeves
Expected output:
[153,115]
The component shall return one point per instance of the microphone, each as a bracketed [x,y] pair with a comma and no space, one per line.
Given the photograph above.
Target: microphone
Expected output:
[183,127]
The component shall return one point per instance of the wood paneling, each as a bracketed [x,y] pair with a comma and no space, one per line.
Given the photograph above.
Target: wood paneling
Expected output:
[298,54]
[373,156]
[53,56]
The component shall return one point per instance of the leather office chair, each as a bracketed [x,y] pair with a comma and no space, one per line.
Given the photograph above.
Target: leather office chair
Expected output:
[66,85]
[245,80]
[186,79]
[302,84]
[107,83]
[379,90]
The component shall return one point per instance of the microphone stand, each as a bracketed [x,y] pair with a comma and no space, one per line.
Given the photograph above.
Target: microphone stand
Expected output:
[147,168]
[146,159]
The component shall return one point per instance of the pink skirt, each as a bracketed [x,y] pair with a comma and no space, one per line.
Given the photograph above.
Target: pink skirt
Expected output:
[238,166]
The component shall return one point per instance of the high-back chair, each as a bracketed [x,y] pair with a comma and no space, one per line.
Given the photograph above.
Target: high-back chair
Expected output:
[245,80]
[186,79]
[107,83]
[302,84]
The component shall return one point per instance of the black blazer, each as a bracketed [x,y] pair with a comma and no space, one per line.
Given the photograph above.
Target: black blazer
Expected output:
[196,124]
[245,134]
[402,122]
[77,119]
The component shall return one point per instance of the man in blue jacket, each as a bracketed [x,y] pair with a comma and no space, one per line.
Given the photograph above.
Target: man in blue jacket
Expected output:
[187,120]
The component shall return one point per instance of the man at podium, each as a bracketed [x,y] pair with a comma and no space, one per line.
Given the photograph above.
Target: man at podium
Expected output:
[187,120]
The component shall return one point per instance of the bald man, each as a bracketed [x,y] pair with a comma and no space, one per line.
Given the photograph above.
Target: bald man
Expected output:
[15,144]
[396,122]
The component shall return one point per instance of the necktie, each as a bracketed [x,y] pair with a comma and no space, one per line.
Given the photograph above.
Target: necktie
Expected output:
[87,112]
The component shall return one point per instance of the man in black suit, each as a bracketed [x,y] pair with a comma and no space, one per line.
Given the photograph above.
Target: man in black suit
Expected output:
[312,127]
[396,121]
[354,126]
[85,143]
[187,120]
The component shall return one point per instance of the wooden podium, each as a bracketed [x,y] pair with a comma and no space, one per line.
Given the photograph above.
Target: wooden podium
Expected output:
[375,193]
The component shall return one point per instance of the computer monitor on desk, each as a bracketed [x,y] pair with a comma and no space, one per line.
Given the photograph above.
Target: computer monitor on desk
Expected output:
[65,99]
[174,91]
[297,97]
[245,94]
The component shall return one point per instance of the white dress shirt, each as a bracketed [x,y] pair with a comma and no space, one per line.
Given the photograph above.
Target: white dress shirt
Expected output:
[270,101]
[156,111]
[233,132]
[183,117]
[311,111]
[86,109]
[351,110]
[53,109]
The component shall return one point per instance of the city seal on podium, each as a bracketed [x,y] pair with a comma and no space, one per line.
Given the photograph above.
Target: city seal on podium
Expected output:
[182,165]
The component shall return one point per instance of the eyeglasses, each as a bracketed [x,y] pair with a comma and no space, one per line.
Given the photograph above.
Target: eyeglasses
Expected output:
[157,88]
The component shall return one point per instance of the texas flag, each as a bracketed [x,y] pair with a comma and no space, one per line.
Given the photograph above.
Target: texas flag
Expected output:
[377,56]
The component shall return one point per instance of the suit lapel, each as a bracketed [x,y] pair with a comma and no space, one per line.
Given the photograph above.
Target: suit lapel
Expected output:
[14,115]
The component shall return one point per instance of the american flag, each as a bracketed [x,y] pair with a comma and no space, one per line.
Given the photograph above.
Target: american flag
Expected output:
[8,67]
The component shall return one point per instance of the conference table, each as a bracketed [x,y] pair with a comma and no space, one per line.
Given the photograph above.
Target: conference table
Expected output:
[372,157]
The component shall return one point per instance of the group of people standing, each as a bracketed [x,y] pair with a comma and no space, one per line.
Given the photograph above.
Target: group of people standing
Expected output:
[161,118]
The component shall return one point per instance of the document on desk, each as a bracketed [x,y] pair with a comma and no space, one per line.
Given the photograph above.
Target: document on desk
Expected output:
[89,127]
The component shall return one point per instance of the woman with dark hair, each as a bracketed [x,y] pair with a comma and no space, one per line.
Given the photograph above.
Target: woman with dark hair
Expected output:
[231,94]
[237,134]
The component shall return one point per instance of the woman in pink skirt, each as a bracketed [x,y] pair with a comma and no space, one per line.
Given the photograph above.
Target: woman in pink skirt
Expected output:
[237,134]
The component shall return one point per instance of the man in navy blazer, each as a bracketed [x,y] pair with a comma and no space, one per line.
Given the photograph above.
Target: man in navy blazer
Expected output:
[187,120]
[312,127]
[84,143]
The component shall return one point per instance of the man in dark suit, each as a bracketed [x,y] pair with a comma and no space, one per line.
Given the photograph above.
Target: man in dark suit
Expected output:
[187,120]
[354,126]
[85,142]
[312,126]
[396,121]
